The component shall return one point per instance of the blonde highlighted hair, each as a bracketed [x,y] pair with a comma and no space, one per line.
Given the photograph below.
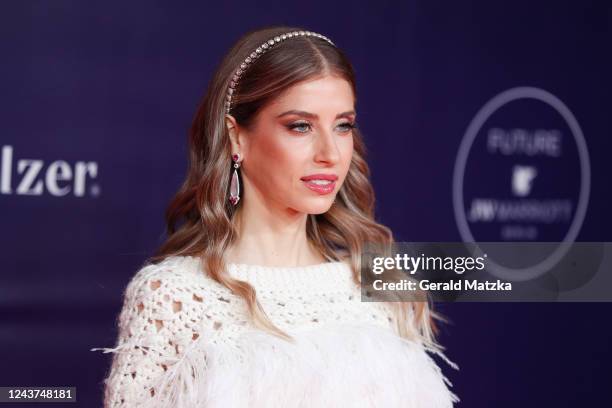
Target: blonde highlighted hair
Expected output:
[200,218]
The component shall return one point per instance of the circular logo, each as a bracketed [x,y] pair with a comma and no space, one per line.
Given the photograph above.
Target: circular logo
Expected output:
[522,174]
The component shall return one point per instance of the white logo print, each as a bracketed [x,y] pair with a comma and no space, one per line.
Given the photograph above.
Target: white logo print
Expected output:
[59,178]
[522,178]
[521,136]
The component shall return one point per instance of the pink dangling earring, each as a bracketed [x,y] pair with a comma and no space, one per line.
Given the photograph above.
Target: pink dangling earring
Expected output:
[235,183]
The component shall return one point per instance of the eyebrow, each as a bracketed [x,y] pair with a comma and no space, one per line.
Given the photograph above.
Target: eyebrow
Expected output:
[314,116]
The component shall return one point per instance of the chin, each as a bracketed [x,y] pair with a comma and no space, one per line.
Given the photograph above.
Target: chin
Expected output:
[319,205]
[320,208]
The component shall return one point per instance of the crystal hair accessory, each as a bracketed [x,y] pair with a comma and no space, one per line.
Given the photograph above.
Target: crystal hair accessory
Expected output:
[234,196]
[259,51]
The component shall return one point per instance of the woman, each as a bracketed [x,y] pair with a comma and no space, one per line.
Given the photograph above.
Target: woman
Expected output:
[254,299]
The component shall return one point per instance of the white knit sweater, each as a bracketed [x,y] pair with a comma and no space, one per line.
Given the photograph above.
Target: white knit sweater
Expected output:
[186,341]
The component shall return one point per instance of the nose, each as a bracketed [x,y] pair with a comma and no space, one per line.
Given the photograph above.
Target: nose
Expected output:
[326,148]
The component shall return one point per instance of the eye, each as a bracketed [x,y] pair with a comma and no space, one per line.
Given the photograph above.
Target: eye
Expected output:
[299,125]
[347,126]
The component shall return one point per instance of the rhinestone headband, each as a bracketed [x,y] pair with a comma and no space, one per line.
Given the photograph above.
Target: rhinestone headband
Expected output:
[257,53]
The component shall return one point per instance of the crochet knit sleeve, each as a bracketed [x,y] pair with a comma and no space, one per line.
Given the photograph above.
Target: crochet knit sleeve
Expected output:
[162,316]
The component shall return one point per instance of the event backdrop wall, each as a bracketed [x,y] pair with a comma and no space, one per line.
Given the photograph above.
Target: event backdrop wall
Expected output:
[97,99]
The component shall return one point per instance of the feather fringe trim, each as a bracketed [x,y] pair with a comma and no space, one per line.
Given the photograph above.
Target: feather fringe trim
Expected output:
[330,365]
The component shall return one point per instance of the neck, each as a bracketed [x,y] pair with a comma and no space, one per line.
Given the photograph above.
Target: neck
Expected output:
[271,237]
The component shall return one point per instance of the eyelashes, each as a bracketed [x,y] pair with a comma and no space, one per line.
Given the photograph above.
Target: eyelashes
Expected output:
[348,126]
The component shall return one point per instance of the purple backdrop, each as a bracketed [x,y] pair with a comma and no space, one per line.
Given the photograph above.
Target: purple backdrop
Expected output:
[97,100]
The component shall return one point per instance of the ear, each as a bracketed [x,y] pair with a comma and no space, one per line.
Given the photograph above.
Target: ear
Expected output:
[234,134]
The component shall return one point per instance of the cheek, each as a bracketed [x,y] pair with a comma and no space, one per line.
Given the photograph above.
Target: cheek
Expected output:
[275,163]
[346,149]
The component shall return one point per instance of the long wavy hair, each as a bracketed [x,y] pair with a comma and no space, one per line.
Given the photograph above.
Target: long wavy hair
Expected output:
[200,218]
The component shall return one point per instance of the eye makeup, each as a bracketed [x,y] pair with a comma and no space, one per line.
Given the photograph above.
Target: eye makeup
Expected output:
[348,126]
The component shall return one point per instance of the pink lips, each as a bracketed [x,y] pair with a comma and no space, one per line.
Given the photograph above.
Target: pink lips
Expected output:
[320,188]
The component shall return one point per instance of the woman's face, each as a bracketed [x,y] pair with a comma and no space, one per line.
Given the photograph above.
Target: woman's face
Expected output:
[298,152]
